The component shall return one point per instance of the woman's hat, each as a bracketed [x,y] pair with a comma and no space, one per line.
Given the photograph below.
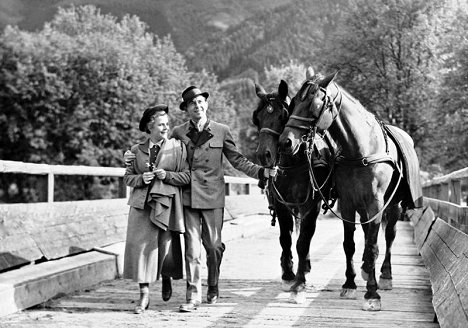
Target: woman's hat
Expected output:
[190,93]
[149,112]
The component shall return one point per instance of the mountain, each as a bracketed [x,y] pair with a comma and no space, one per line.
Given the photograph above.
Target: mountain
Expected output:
[186,21]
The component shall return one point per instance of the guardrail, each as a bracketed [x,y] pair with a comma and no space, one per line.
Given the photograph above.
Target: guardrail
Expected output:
[31,232]
[441,235]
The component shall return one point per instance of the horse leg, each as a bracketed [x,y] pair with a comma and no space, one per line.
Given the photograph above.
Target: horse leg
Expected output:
[349,287]
[307,231]
[371,252]
[391,215]
[286,224]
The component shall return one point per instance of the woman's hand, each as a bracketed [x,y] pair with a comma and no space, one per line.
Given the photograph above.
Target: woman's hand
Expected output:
[148,177]
[160,174]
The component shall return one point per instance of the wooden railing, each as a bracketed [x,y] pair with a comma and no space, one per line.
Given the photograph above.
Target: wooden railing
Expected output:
[31,232]
[445,196]
[440,231]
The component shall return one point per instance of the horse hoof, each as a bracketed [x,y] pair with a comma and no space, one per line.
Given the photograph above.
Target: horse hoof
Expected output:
[372,304]
[364,275]
[348,293]
[286,285]
[385,284]
[297,297]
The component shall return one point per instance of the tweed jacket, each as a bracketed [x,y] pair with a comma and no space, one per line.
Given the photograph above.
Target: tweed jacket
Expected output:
[206,189]
[134,173]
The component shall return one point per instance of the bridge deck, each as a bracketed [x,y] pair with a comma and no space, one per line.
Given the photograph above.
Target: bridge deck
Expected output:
[251,293]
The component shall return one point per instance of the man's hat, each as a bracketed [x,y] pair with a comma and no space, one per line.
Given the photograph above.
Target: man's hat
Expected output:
[190,93]
[149,112]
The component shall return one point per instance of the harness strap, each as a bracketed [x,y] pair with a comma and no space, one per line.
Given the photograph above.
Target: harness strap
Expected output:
[364,161]
[270,131]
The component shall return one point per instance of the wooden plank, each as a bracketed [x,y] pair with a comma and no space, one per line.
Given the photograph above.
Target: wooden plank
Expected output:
[17,247]
[456,175]
[60,229]
[422,220]
[453,214]
[446,255]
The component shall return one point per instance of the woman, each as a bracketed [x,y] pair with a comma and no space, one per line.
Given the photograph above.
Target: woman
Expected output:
[155,221]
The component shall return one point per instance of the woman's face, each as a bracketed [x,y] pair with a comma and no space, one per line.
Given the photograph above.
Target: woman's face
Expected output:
[159,127]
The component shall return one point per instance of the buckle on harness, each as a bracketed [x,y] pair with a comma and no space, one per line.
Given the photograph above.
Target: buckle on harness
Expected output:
[365,162]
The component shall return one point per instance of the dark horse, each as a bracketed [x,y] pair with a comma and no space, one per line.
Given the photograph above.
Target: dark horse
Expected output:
[375,171]
[293,195]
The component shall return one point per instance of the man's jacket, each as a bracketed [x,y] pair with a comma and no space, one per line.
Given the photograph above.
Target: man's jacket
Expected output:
[206,189]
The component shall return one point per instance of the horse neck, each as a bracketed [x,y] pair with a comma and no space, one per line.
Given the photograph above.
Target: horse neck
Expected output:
[356,131]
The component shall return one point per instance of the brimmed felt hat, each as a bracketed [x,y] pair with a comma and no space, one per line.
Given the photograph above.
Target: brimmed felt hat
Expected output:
[190,93]
[149,112]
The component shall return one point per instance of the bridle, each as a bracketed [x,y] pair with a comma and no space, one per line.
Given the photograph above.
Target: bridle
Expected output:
[327,114]
[284,107]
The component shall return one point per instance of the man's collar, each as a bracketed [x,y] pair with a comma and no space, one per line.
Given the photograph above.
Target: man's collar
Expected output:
[195,125]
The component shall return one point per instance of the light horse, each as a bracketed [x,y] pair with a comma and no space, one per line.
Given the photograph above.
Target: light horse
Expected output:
[291,194]
[375,175]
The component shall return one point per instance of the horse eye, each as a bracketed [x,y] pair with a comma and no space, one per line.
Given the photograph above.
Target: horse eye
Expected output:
[269,109]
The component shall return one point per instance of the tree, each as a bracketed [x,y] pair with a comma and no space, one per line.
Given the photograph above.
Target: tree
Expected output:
[387,53]
[73,93]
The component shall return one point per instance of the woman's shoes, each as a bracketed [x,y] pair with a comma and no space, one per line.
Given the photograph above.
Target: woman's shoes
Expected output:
[166,289]
[143,303]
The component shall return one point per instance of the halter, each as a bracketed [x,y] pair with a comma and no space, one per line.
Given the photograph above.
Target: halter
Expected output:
[339,160]
[284,107]
[329,104]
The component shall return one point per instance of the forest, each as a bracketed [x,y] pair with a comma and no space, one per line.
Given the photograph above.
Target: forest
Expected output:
[73,91]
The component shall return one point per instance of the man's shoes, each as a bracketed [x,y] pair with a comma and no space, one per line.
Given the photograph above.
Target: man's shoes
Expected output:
[213,293]
[143,304]
[166,289]
[189,306]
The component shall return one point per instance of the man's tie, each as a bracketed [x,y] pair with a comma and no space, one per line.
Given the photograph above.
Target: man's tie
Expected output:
[152,156]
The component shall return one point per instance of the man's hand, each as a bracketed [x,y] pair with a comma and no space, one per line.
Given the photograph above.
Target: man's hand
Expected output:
[270,172]
[129,157]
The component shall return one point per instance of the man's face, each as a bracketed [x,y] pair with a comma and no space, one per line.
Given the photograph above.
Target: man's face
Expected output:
[197,108]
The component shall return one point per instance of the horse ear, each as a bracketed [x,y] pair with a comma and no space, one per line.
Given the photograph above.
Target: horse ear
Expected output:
[259,91]
[327,79]
[310,73]
[283,90]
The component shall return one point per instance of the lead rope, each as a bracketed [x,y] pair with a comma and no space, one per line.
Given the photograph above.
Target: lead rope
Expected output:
[314,182]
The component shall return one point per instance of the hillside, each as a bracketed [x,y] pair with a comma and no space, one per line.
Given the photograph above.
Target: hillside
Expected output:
[273,37]
[184,20]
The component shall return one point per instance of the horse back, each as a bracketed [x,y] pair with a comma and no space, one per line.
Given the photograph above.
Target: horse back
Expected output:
[409,158]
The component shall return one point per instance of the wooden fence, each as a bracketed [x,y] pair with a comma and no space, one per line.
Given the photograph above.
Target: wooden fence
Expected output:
[35,232]
[440,231]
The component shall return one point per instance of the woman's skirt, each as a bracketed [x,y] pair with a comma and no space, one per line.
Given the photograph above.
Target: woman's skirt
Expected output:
[149,250]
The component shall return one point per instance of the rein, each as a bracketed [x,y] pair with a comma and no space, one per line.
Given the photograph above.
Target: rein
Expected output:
[346,162]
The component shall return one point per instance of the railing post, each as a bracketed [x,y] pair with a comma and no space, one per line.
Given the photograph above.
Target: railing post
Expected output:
[455,192]
[50,187]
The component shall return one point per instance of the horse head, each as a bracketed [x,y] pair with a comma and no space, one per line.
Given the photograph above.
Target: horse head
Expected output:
[270,117]
[312,107]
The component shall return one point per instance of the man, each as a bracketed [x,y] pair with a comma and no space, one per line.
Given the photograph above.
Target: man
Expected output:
[204,197]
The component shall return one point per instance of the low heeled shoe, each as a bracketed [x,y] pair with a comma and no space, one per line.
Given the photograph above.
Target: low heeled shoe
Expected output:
[213,294]
[189,306]
[166,291]
[142,305]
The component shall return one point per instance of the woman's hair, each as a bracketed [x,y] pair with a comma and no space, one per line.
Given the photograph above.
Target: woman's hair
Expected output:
[153,118]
